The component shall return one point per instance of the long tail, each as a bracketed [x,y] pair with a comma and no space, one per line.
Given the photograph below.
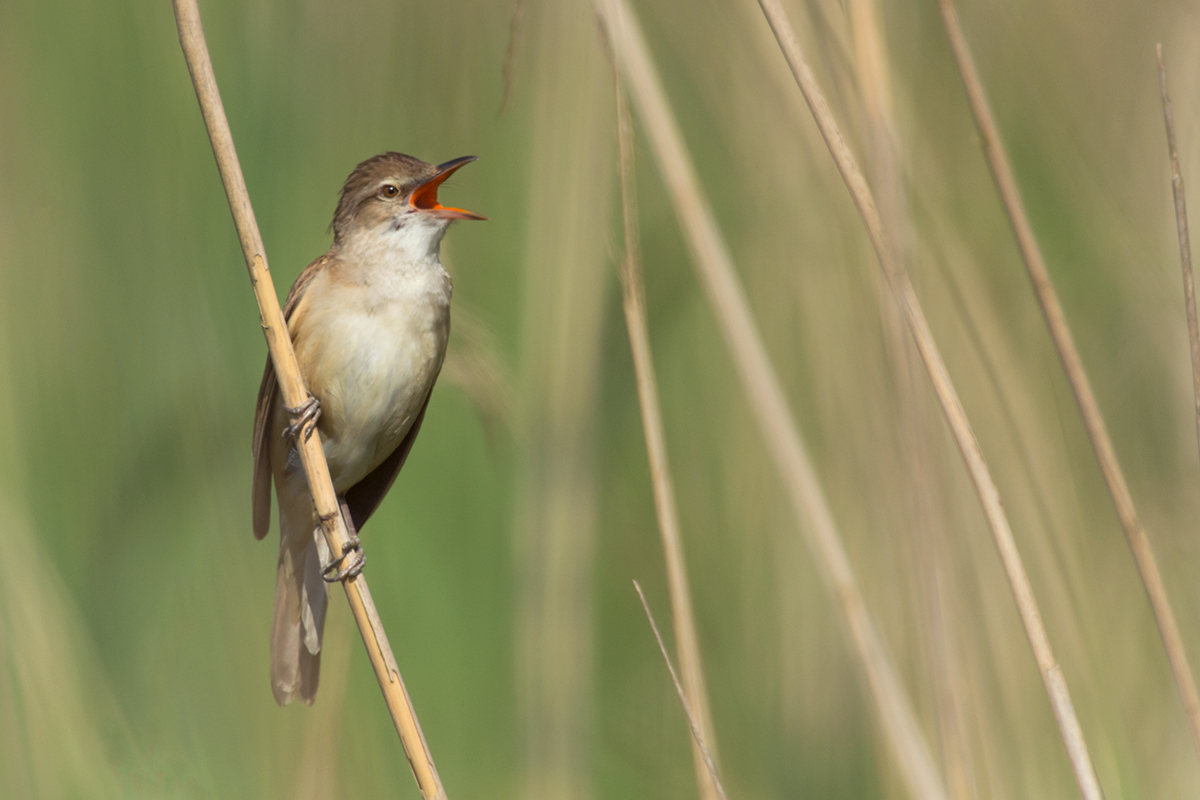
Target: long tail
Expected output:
[299,621]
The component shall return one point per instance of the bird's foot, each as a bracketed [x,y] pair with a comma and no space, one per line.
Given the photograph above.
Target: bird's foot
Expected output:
[358,559]
[304,418]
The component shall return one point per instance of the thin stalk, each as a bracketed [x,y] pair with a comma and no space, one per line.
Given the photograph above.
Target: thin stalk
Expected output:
[291,384]
[697,735]
[873,67]
[714,265]
[1068,354]
[1185,243]
[960,426]
[687,643]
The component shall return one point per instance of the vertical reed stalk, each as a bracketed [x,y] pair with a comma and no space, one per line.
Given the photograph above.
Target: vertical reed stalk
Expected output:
[960,426]
[1185,243]
[714,265]
[687,643]
[926,523]
[291,384]
[566,270]
[1068,354]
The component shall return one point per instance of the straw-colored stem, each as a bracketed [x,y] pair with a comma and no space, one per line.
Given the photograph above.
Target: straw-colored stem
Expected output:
[687,643]
[291,384]
[960,426]
[697,734]
[714,266]
[874,77]
[1068,354]
[1185,243]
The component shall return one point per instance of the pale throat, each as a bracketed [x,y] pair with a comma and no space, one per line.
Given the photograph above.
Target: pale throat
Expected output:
[408,242]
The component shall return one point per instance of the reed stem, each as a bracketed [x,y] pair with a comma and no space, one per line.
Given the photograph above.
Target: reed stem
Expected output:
[687,643]
[1185,243]
[291,384]
[693,724]
[714,266]
[956,417]
[1072,363]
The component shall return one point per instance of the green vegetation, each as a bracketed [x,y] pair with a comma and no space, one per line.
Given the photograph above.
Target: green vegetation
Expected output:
[135,604]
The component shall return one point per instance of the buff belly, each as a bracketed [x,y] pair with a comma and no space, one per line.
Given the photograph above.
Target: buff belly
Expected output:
[374,382]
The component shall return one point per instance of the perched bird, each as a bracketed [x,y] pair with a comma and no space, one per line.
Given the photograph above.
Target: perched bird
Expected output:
[369,321]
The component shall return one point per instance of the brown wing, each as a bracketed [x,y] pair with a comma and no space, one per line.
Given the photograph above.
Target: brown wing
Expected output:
[364,497]
[264,412]
[261,488]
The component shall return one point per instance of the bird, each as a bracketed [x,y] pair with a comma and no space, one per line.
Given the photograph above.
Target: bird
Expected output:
[369,322]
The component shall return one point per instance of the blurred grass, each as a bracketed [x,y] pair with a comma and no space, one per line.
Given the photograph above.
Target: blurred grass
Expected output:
[134,604]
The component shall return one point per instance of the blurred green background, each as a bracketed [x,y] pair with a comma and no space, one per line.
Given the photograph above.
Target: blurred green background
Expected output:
[135,604]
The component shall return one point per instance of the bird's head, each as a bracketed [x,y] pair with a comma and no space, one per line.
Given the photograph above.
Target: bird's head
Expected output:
[393,198]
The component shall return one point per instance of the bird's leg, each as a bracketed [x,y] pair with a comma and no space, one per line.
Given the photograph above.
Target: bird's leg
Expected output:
[304,418]
[354,545]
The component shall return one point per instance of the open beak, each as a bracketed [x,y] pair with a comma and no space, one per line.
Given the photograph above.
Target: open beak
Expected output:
[424,197]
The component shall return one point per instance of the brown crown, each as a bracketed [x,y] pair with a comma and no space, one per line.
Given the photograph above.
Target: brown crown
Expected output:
[406,171]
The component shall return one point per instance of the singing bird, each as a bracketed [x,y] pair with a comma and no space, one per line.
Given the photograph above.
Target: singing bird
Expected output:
[369,321]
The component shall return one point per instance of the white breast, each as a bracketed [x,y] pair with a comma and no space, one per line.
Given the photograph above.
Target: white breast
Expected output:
[377,337]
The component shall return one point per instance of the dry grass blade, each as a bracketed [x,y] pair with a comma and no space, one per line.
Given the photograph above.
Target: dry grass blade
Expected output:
[715,268]
[906,298]
[291,383]
[633,295]
[1185,244]
[697,736]
[1068,354]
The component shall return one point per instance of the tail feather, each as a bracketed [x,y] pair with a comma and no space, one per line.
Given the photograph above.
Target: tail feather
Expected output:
[312,609]
[299,621]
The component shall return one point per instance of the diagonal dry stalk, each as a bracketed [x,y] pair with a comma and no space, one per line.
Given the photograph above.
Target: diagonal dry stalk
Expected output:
[960,426]
[1068,354]
[687,643]
[1185,244]
[697,736]
[714,265]
[291,384]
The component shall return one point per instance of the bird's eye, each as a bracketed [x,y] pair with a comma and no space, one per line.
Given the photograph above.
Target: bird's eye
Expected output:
[388,191]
